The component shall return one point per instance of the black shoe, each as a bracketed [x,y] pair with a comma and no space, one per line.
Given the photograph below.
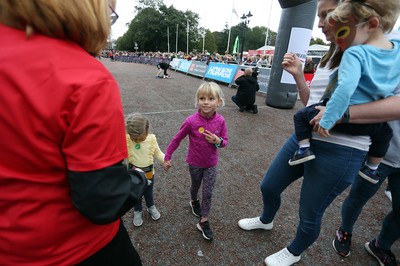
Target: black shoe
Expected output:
[298,158]
[341,243]
[384,257]
[196,209]
[204,227]
[369,175]
[242,108]
[255,109]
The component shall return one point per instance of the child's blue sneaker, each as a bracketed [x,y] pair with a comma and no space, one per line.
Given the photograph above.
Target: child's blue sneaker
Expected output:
[369,174]
[301,157]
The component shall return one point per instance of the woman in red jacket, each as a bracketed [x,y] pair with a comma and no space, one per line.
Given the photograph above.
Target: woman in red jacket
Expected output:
[62,132]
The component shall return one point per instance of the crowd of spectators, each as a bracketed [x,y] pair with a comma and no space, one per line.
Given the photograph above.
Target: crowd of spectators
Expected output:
[249,60]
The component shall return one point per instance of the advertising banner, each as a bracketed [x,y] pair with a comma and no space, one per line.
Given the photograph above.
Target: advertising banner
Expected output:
[263,78]
[198,68]
[184,65]
[221,72]
[174,63]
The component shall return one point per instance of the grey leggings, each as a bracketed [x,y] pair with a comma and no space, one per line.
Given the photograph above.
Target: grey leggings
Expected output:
[208,176]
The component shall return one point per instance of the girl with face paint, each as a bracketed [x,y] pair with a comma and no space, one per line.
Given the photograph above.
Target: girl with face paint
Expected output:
[367,72]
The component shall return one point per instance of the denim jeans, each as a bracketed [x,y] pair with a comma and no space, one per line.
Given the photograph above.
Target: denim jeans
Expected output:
[361,191]
[327,176]
[390,231]
[148,196]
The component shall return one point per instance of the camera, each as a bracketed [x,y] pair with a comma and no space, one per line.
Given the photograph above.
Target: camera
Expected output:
[256,71]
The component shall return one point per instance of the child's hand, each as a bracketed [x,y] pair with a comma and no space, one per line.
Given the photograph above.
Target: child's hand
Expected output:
[315,121]
[323,132]
[167,165]
[211,138]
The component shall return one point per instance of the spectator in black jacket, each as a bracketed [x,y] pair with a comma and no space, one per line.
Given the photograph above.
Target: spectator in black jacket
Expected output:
[163,66]
[309,66]
[246,94]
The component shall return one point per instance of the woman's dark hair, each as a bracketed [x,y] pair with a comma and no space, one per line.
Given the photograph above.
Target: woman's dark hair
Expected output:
[333,57]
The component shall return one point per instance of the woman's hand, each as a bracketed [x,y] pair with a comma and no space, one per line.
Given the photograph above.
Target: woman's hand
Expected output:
[291,63]
[315,121]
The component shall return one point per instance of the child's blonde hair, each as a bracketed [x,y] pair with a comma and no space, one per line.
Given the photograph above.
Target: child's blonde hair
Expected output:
[136,125]
[386,10]
[210,89]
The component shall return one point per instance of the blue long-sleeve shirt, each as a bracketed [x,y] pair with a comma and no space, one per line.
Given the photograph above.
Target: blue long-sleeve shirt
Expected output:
[366,73]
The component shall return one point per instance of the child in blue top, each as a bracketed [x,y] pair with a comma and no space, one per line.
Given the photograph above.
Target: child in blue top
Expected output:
[368,71]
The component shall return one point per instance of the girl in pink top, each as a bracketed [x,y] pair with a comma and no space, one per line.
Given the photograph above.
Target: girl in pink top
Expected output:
[207,132]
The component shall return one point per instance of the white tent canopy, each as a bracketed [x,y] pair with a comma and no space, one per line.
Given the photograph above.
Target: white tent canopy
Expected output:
[318,47]
[317,50]
[266,48]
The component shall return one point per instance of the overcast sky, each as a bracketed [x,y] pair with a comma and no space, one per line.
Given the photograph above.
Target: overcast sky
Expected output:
[214,14]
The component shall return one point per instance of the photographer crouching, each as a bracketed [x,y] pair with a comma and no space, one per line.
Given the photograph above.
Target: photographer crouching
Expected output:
[246,93]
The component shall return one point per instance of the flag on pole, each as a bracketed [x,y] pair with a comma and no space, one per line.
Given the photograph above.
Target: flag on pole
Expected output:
[236,46]
[234,12]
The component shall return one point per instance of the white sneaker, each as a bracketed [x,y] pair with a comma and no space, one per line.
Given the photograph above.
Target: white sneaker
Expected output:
[137,218]
[155,214]
[281,258]
[388,194]
[254,223]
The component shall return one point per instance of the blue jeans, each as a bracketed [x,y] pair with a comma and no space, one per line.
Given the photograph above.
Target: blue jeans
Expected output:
[361,191]
[325,177]
[148,196]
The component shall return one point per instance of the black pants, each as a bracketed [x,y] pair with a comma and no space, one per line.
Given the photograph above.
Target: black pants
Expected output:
[119,251]
[245,106]
[380,133]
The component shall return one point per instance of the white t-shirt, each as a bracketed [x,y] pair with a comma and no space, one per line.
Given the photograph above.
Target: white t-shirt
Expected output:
[318,86]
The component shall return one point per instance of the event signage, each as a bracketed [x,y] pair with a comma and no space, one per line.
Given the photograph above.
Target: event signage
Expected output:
[184,65]
[221,72]
[174,63]
[263,78]
[198,68]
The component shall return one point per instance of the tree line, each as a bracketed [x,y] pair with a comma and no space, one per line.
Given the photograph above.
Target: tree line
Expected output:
[157,27]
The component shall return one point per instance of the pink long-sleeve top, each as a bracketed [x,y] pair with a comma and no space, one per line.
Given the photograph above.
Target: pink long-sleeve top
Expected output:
[200,152]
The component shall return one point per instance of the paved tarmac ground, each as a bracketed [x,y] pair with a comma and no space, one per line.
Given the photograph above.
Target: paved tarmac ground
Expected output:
[253,142]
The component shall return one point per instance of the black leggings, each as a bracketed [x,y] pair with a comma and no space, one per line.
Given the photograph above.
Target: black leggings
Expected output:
[119,251]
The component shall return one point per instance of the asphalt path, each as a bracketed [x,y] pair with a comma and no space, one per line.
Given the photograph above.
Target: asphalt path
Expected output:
[254,139]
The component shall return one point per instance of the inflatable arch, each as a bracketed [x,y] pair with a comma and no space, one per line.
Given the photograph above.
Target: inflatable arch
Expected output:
[295,14]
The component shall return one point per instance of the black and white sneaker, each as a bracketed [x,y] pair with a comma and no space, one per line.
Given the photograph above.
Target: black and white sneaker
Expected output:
[384,257]
[342,243]
[305,156]
[196,209]
[369,174]
[204,227]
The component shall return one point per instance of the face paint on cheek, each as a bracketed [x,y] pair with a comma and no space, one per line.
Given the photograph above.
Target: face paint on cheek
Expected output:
[345,33]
